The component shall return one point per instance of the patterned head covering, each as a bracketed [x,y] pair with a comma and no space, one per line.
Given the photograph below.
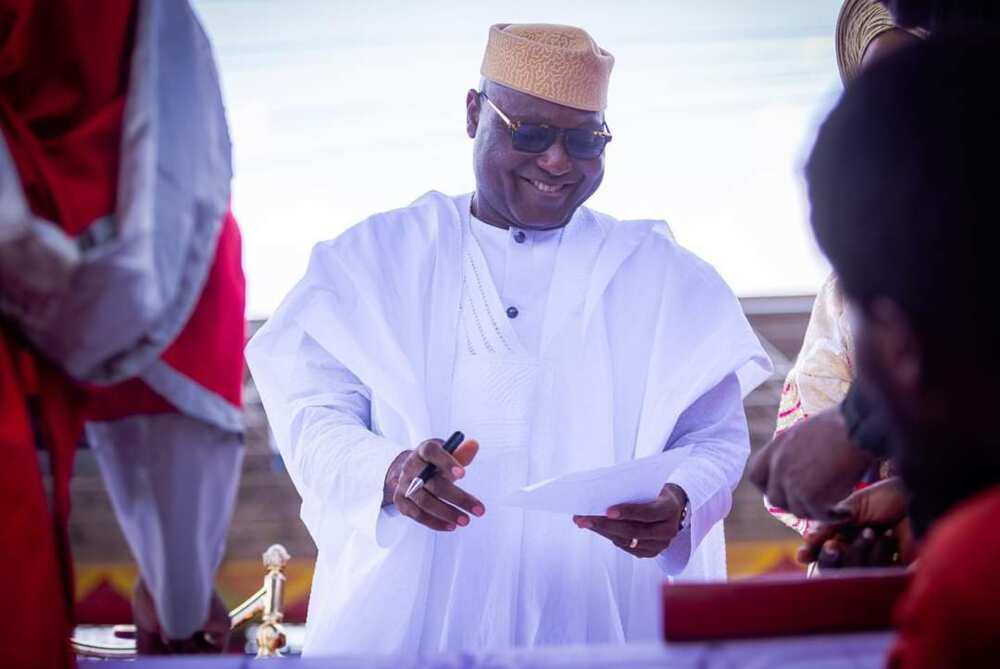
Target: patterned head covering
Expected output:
[561,64]
[859,23]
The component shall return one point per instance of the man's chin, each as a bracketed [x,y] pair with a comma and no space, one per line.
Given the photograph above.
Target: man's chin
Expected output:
[547,218]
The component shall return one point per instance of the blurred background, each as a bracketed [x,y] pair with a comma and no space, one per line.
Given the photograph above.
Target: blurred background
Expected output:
[340,109]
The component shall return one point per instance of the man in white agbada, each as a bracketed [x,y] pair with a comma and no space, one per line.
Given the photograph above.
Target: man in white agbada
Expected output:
[558,338]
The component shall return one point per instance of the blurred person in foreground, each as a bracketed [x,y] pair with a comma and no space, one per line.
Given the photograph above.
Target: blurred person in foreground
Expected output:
[903,199]
[559,338]
[828,438]
[121,306]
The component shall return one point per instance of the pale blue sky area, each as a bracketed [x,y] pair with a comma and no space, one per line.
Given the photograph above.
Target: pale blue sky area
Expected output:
[341,109]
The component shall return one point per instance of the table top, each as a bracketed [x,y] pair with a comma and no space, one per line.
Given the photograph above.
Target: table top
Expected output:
[846,651]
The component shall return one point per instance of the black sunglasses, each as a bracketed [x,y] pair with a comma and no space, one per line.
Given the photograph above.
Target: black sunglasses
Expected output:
[580,143]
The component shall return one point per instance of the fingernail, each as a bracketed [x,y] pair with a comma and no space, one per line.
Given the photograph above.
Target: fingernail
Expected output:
[463,521]
[478,510]
[584,523]
[451,528]
[614,513]
[457,472]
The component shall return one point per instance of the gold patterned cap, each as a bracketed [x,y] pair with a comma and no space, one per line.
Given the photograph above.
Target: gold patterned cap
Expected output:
[859,23]
[561,64]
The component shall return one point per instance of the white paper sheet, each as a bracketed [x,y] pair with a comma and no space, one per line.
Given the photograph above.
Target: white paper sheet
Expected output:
[591,492]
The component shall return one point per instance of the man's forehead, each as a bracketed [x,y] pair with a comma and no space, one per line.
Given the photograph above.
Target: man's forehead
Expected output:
[531,108]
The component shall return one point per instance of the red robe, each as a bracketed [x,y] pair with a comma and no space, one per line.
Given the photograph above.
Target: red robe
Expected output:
[950,614]
[64,71]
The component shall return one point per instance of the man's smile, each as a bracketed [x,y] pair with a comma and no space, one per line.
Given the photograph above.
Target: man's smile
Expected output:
[548,188]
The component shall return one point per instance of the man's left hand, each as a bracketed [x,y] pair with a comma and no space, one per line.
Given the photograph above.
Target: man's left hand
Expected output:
[643,530]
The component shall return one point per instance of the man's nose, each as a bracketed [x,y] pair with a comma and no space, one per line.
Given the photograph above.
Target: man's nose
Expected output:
[555,160]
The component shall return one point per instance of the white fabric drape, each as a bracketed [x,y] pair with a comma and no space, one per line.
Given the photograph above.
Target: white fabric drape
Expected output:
[637,333]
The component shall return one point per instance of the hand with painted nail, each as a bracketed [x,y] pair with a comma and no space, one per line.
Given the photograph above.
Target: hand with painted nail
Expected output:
[439,504]
[873,532]
[643,530]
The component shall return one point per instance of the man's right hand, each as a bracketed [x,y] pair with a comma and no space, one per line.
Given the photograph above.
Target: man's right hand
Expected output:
[439,503]
[810,467]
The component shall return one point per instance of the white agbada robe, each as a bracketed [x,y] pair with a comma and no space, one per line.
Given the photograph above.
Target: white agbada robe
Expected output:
[399,332]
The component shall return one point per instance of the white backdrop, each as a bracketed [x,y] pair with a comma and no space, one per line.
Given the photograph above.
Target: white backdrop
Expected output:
[340,109]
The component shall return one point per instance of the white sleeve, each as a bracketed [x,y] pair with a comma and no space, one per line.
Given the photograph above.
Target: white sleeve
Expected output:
[716,428]
[337,463]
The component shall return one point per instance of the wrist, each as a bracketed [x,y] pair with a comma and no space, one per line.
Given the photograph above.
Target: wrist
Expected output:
[392,478]
[683,503]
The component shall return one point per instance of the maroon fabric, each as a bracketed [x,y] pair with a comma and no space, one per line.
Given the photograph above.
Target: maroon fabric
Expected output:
[950,615]
[63,75]
[773,606]
[39,589]
[104,605]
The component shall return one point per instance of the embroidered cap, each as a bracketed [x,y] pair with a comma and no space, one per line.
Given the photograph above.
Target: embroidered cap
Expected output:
[561,64]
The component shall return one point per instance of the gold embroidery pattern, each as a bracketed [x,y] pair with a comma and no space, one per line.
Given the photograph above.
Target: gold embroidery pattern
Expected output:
[561,64]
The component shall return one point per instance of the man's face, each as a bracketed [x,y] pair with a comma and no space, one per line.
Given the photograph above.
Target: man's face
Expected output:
[942,455]
[535,191]
[889,360]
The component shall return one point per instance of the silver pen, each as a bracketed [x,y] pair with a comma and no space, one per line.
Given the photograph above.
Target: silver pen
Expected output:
[454,441]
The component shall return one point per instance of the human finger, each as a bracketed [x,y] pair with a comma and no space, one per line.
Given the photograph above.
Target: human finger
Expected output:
[775,494]
[811,506]
[759,468]
[831,555]
[435,507]
[883,503]
[448,492]
[625,529]
[858,552]
[812,543]
[663,508]
[885,552]
[408,508]
[466,453]
[638,548]
[432,452]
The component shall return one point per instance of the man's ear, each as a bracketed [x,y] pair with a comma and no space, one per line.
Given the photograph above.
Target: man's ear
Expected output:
[472,109]
[895,349]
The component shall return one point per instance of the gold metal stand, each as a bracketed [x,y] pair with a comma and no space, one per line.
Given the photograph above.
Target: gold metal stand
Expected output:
[268,602]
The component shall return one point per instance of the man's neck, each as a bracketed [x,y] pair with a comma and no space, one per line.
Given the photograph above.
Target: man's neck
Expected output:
[486,214]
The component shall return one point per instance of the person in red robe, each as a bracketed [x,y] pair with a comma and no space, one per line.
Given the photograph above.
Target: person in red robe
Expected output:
[121,303]
[902,187]
[949,616]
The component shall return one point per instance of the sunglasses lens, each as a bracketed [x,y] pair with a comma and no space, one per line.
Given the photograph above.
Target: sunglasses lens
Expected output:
[584,144]
[534,138]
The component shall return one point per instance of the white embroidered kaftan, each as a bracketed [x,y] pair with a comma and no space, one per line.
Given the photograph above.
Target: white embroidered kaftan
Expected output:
[398,332]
